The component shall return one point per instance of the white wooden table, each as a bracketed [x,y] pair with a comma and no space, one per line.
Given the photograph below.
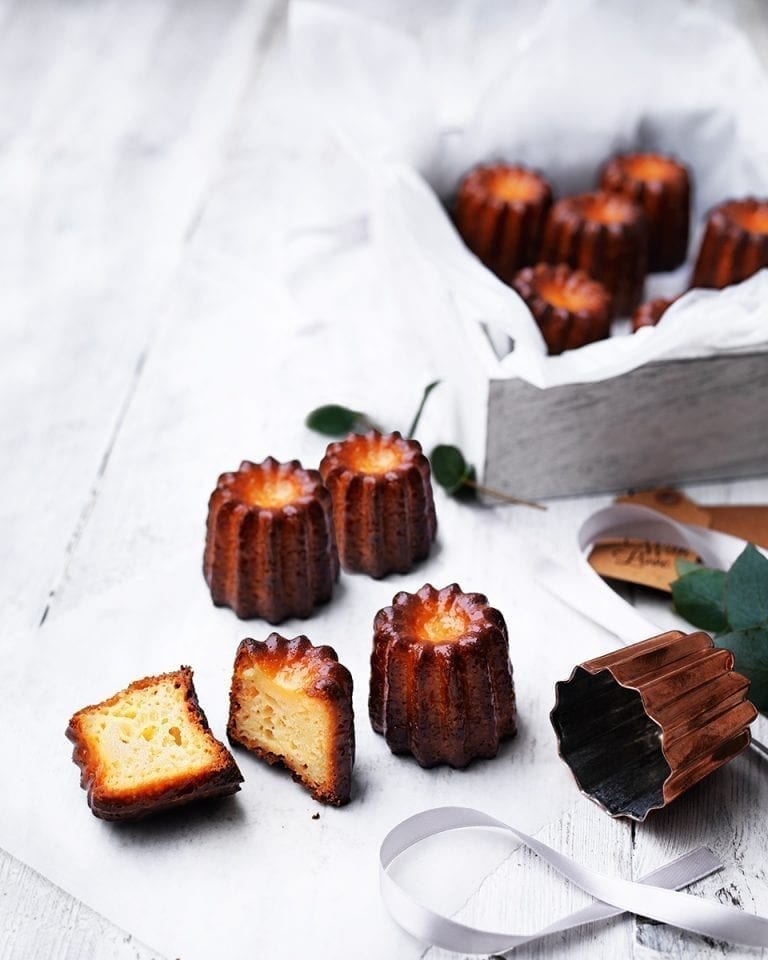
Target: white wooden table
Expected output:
[150,161]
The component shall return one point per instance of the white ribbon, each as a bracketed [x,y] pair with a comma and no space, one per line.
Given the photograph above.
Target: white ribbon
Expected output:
[653,896]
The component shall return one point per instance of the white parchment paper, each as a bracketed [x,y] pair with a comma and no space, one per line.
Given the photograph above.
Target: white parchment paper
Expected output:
[419,100]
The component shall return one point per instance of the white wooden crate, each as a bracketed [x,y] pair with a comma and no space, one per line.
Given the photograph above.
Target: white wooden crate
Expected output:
[665,422]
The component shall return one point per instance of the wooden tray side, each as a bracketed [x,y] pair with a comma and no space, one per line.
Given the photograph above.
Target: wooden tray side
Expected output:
[666,422]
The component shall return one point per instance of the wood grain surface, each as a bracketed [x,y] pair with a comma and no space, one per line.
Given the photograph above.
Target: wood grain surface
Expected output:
[150,163]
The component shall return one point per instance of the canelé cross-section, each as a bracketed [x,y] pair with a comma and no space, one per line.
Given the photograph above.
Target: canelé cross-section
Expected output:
[149,748]
[291,703]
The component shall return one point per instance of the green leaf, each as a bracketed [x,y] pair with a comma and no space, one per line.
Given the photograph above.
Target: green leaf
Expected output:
[334,420]
[449,467]
[684,566]
[427,390]
[746,590]
[750,650]
[699,596]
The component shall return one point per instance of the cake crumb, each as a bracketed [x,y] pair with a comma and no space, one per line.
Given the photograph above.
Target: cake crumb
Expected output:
[315,816]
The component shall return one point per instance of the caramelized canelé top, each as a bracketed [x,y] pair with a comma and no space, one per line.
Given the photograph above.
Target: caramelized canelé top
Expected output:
[372,454]
[749,215]
[608,209]
[432,617]
[506,184]
[270,485]
[296,665]
[573,291]
[648,168]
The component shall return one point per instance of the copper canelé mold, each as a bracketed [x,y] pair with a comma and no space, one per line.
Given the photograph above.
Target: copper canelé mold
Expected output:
[643,724]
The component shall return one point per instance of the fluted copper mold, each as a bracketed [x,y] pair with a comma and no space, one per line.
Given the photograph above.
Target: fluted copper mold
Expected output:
[734,245]
[649,313]
[441,680]
[500,214]
[270,549]
[570,308]
[606,236]
[640,726]
[661,186]
[383,509]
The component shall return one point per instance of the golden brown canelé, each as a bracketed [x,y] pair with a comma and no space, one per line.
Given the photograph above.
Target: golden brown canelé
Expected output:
[649,313]
[291,703]
[661,186]
[383,509]
[270,550]
[570,308]
[735,243]
[441,680]
[500,214]
[148,749]
[606,236]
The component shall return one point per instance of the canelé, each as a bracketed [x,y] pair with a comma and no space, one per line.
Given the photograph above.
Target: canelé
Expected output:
[606,236]
[441,679]
[270,550]
[661,186]
[735,244]
[500,214]
[291,704]
[570,308]
[383,509]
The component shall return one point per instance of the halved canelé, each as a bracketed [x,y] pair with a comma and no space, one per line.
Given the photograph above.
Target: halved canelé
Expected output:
[148,749]
[606,236]
[383,508]
[570,308]
[661,186]
[270,550]
[500,214]
[291,703]
[441,679]
[649,313]
[735,243]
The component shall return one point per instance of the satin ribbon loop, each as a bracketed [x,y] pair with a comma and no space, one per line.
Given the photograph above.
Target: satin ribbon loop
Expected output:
[653,896]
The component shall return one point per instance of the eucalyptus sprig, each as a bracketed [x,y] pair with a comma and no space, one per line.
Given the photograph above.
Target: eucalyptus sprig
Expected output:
[449,467]
[732,604]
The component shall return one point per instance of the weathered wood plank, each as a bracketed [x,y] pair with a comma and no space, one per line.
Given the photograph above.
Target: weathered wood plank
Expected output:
[111,128]
[37,919]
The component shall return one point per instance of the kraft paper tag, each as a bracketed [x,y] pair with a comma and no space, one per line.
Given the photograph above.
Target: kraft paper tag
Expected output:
[748,522]
[653,564]
[640,562]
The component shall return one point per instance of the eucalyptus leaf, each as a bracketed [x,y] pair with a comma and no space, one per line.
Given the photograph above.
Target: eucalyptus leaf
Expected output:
[746,590]
[449,467]
[334,420]
[699,596]
[750,650]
